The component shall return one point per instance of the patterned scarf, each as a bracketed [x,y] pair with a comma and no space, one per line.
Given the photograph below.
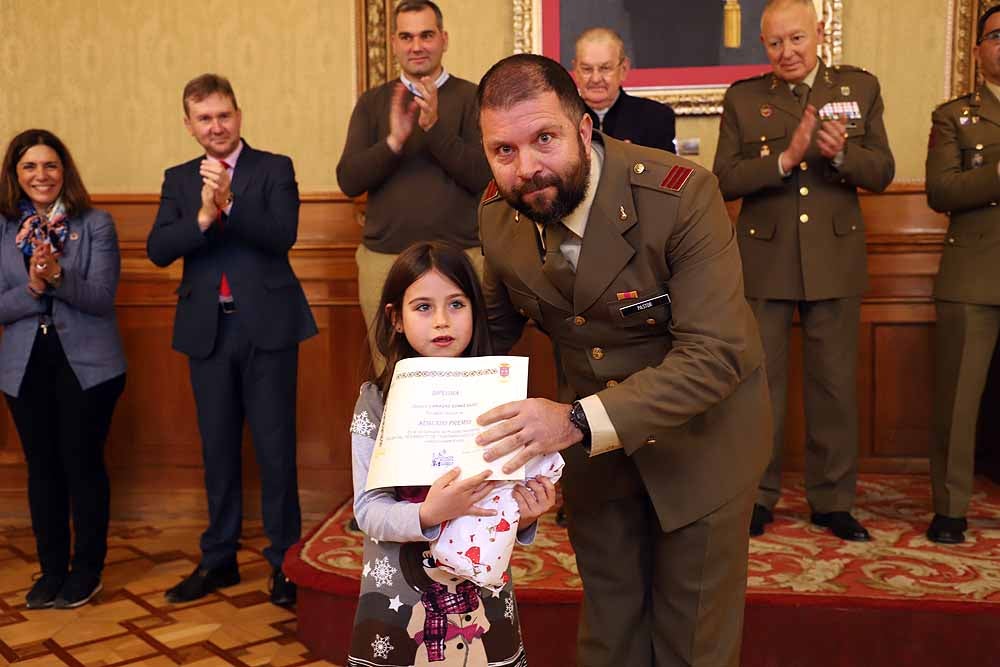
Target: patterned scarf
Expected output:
[36,230]
[438,603]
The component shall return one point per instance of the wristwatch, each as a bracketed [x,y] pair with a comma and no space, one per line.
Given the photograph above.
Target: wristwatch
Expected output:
[579,419]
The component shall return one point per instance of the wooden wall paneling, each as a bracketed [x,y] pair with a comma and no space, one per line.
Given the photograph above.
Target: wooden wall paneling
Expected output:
[154,451]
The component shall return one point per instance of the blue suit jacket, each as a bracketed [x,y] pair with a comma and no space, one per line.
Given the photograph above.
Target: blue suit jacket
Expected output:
[251,248]
[83,308]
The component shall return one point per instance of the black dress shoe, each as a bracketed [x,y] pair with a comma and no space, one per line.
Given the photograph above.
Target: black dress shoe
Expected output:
[282,589]
[44,592]
[947,530]
[561,517]
[203,581]
[843,525]
[761,517]
[79,589]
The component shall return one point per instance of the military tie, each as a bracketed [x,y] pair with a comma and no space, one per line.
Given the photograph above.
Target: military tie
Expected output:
[559,271]
[801,92]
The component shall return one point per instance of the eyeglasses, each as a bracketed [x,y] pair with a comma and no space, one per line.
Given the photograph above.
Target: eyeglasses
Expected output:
[992,36]
[604,70]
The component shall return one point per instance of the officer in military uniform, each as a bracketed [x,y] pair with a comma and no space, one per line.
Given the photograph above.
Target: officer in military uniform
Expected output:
[795,144]
[963,180]
[625,257]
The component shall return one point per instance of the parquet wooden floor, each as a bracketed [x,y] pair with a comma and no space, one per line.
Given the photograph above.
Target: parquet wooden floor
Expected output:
[130,623]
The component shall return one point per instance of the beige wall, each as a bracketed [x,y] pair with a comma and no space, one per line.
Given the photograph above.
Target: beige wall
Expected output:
[107,77]
[108,81]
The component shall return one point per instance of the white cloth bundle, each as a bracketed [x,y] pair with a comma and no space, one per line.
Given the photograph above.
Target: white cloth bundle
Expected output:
[478,548]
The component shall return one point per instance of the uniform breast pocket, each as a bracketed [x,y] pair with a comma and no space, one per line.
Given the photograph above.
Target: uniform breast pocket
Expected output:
[641,308]
[764,140]
[977,151]
[525,304]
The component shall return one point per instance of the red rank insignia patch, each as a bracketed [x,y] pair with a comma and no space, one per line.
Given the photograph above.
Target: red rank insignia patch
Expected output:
[492,192]
[676,178]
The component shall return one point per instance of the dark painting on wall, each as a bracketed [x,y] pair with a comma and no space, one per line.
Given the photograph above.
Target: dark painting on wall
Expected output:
[676,47]
[666,33]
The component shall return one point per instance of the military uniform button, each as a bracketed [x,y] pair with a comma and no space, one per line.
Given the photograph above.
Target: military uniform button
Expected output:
[597,353]
[638,167]
[804,218]
[650,440]
[804,191]
[763,138]
[951,239]
[611,383]
[753,231]
[804,166]
[523,311]
[993,203]
[579,320]
[979,147]
[854,228]
[651,321]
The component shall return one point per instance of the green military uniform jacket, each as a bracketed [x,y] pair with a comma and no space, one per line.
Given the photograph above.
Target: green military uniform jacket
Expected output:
[683,383]
[801,236]
[962,180]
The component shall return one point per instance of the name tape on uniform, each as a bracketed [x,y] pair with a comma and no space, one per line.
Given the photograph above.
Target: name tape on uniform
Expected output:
[646,304]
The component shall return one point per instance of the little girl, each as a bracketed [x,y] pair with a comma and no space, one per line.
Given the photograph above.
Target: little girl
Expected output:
[411,612]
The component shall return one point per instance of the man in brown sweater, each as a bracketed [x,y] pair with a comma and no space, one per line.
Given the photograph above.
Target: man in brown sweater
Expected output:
[414,146]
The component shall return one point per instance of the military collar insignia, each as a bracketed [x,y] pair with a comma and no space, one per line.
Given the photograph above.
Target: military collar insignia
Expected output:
[492,192]
[676,178]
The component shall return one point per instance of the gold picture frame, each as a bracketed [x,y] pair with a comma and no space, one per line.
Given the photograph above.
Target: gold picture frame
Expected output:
[376,64]
[961,76]
[695,100]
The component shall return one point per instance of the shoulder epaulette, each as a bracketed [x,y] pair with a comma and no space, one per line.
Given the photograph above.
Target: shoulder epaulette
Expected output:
[492,193]
[851,68]
[966,97]
[750,79]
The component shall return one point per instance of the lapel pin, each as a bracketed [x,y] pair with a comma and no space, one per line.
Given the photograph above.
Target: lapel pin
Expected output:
[622,214]
[74,236]
[766,110]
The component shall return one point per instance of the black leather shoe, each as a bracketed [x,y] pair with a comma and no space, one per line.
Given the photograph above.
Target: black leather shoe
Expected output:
[202,581]
[761,517]
[282,589]
[843,525]
[947,530]
[44,592]
[79,589]
[561,517]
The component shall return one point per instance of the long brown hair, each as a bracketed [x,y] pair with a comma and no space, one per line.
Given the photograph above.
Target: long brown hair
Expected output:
[412,263]
[74,194]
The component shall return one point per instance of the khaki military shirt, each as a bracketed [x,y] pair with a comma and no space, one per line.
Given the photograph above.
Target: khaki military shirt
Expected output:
[962,180]
[802,236]
[658,329]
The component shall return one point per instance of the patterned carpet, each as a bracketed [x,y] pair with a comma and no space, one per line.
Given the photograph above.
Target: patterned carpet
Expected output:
[792,558]
[131,624]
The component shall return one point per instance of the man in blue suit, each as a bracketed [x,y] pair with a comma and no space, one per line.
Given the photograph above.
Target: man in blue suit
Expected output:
[232,215]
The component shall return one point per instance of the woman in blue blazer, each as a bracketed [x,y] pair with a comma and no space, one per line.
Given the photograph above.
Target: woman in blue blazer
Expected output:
[62,367]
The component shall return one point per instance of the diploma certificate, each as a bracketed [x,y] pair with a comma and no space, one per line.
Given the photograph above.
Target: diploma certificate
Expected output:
[429,423]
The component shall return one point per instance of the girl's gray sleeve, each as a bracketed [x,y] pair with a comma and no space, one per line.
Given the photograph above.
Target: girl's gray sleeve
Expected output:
[380,515]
